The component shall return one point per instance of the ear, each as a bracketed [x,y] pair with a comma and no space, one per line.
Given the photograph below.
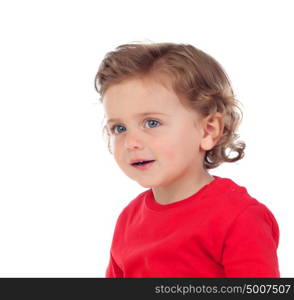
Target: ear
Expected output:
[212,130]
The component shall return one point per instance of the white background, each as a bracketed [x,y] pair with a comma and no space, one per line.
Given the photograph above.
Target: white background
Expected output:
[61,191]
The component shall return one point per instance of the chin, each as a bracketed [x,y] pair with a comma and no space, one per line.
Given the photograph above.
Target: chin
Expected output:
[148,186]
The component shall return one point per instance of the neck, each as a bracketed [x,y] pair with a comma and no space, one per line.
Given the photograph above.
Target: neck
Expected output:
[181,189]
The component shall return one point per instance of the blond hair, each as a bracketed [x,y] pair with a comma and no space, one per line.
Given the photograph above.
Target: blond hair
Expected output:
[196,77]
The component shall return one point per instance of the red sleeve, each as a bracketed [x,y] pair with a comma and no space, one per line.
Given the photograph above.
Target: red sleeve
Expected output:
[250,248]
[113,270]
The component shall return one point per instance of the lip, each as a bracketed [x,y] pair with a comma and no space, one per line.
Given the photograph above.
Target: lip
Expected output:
[138,159]
[144,167]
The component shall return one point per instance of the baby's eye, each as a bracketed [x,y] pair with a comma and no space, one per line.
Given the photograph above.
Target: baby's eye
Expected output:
[114,127]
[152,122]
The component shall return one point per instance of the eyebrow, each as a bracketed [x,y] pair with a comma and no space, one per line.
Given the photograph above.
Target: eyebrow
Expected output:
[139,114]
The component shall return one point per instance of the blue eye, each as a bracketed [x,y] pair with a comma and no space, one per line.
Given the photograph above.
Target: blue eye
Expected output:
[150,121]
[115,126]
[153,123]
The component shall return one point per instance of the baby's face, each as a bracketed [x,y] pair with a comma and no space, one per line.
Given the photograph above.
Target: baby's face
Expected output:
[166,134]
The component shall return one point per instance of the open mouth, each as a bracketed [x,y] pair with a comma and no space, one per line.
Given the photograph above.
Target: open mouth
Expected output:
[141,163]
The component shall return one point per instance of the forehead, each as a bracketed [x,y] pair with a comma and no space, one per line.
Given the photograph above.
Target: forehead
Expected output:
[138,96]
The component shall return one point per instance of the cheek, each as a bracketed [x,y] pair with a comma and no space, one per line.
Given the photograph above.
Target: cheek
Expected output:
[115,144]
[169,148]
[179,147]
[116,152]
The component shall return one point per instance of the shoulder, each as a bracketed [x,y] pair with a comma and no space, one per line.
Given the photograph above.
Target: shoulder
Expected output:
[132,208]
[241,210]
[232,197]
[240,224]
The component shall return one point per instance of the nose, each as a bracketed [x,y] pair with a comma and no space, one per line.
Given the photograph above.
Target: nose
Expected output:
[133,140]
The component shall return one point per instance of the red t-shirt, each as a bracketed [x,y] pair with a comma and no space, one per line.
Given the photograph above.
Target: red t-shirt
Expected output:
[220,231]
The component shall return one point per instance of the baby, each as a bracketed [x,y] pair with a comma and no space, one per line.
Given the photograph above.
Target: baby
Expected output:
[171,116]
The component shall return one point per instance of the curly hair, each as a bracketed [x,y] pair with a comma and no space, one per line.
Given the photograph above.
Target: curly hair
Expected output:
[197,78]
